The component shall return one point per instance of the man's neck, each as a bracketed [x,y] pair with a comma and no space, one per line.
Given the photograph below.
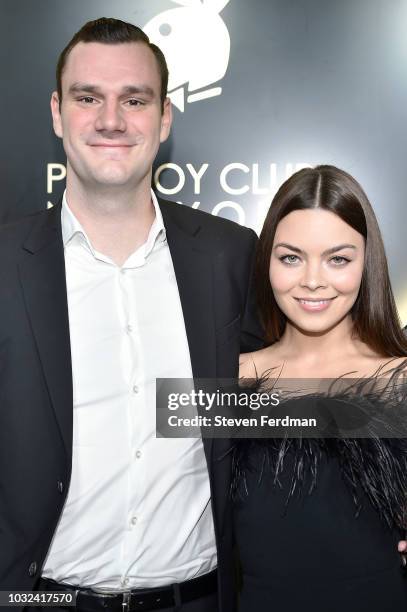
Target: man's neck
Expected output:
[117,223]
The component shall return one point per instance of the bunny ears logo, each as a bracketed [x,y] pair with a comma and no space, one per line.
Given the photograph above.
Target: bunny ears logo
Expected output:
[196,44]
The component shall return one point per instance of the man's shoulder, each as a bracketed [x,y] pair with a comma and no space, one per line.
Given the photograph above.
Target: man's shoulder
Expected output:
[14,233]
[215,227]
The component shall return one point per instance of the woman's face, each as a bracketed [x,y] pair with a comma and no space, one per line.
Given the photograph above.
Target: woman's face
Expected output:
[316,268]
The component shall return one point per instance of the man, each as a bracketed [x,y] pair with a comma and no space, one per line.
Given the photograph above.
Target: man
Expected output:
[99,297]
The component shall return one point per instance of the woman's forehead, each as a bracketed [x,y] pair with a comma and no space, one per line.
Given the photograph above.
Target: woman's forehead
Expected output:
[315,228]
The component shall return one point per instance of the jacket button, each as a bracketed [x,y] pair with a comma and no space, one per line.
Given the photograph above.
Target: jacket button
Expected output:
[32,570]
[60,485]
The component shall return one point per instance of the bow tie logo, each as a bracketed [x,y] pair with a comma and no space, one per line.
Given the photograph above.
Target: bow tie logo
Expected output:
[196,44]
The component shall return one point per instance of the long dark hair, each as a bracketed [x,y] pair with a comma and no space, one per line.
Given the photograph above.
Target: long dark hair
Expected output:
[374,314]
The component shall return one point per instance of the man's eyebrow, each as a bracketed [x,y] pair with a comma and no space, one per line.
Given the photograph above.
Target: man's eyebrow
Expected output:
[81,87]
[334,249]
[126,90]
[137,89]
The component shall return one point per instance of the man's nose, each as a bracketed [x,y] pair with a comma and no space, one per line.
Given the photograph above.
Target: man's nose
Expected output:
[110,118]
[313,277]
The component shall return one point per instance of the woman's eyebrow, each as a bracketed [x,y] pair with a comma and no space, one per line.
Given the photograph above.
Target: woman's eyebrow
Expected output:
[288,246]
[329,251]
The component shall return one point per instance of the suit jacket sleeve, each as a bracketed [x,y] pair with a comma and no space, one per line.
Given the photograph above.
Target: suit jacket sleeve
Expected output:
[251,335]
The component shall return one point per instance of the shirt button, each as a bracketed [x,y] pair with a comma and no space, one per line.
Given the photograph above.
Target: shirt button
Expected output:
[135,389]
[60,486]
[133,520]
[138,454]
[32,570]
[129,329]
[125,581]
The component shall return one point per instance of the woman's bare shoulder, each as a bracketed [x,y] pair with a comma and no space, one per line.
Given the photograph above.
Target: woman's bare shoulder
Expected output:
[392,366]
[247,368]
[372,365]
[255,364]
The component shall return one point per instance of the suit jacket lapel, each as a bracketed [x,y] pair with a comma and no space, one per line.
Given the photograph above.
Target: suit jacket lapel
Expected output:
[42,275]
[193,267]
[193,271]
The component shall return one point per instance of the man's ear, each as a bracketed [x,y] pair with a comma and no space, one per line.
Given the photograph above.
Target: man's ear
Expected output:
[56,114]
[166,120]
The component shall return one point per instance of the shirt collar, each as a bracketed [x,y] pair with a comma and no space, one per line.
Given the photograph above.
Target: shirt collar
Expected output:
[71,227]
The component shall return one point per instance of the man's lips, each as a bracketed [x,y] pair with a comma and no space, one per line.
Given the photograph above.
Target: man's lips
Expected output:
[111,145]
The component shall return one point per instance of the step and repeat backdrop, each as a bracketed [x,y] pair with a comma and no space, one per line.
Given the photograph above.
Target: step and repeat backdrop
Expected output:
[260,88]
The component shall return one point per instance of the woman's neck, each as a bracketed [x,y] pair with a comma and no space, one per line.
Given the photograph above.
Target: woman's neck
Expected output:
[296,343]
[334,353]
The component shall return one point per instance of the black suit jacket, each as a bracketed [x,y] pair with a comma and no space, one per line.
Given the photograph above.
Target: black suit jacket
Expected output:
[213,261]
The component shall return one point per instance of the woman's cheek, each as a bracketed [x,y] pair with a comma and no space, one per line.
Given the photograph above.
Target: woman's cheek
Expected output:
[347,281]
[282,279]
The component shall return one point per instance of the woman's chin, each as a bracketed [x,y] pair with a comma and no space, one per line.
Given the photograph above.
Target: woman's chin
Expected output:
[315,326]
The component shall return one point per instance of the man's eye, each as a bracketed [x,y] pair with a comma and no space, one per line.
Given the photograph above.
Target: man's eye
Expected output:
[339,260]
[134,102]
[87,99]
[290,259]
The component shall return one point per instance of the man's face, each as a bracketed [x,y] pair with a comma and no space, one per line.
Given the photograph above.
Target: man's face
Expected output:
[110,118]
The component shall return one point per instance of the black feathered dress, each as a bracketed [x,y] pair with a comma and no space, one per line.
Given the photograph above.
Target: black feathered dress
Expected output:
[317,521]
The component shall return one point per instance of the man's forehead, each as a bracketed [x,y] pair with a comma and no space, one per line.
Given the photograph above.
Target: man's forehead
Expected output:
[94,60]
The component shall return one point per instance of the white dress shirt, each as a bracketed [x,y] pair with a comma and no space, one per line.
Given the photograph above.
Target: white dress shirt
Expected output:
[138,512]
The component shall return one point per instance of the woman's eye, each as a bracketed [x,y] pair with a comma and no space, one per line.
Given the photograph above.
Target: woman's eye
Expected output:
[338,260]
[290,259]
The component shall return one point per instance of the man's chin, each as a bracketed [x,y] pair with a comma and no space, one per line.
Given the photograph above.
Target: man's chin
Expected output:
[111,180]
[108,177]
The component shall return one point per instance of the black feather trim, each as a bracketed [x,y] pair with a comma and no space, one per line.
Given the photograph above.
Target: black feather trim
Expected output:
[375,465]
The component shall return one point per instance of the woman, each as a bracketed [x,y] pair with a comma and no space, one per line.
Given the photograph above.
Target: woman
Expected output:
[317,521]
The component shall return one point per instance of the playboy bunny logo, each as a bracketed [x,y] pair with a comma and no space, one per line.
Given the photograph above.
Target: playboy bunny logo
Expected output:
[196,44]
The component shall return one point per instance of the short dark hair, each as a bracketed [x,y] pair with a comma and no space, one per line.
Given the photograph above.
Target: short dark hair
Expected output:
[374,314]
[111,31]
